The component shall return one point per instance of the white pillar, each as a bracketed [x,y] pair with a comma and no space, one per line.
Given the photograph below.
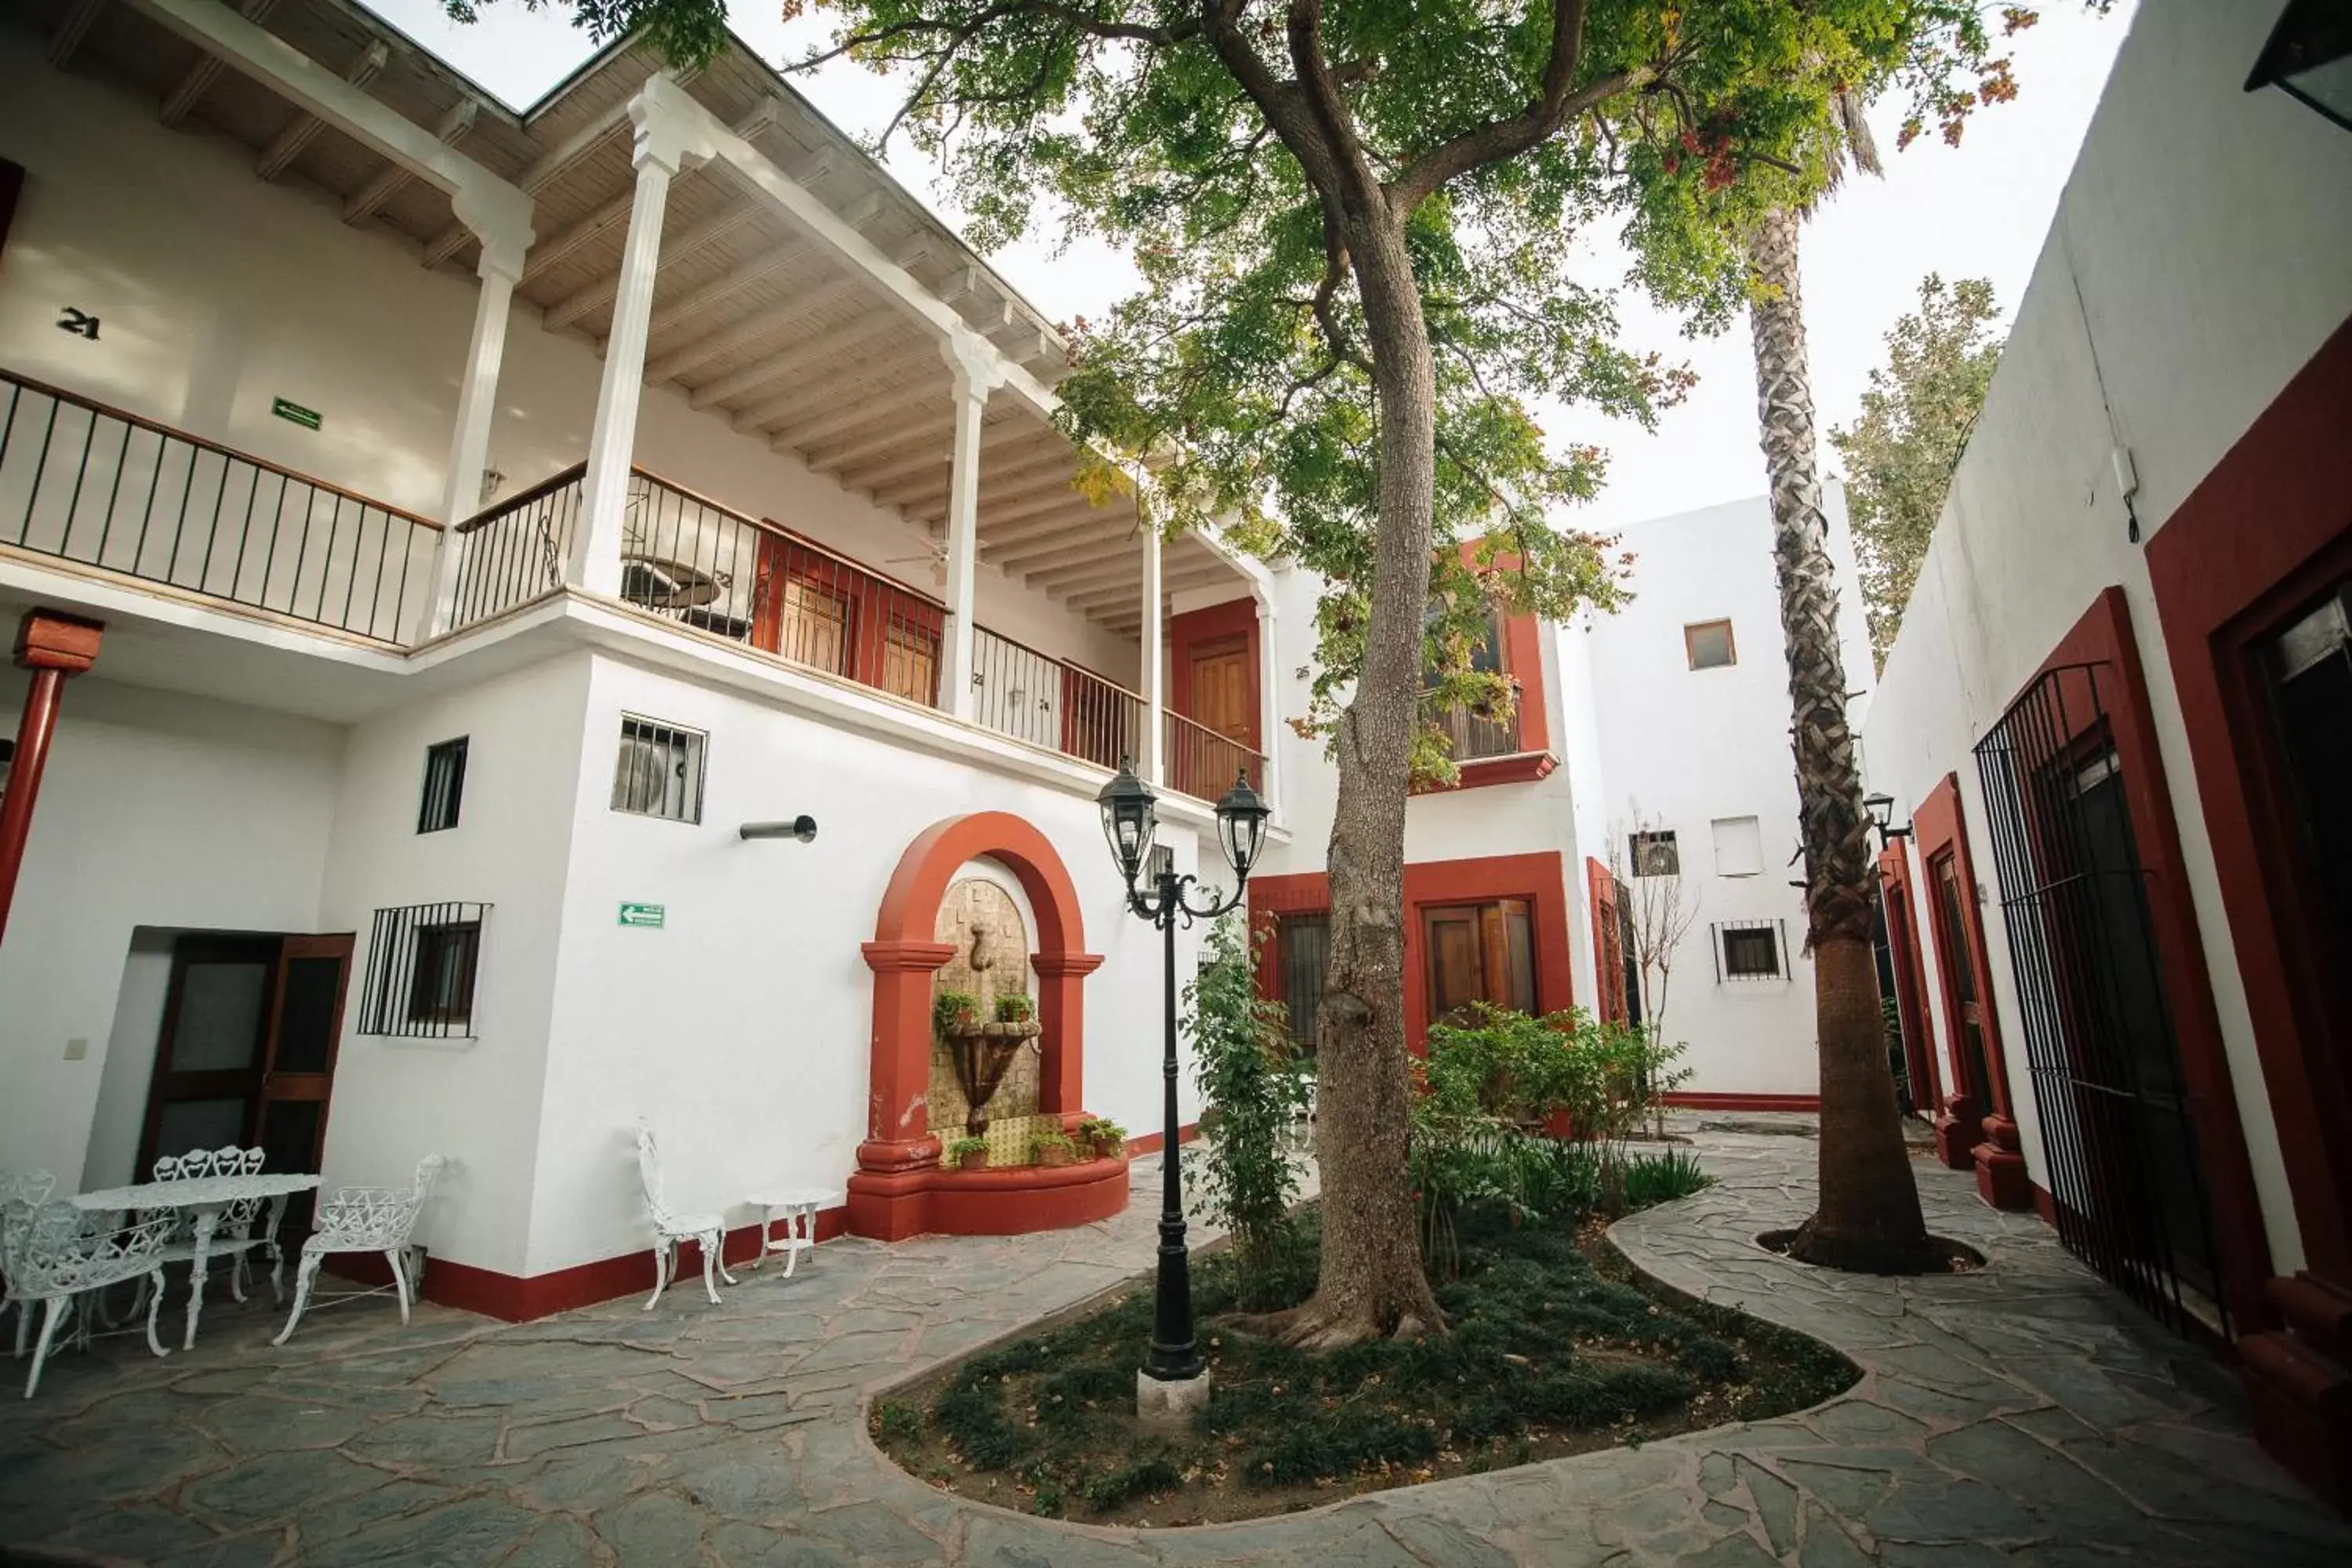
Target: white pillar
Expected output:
[977,371]
[470,442]
[1153,762]
[1269,689]
[665,140]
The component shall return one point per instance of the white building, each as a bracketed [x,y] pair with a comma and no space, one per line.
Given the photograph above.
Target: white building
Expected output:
[438,528]
[1690,693]
[2115,721]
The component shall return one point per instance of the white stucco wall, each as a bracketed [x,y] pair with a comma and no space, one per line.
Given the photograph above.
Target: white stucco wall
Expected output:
[217,292]
[154,810]
[1682,748]
[2197,260]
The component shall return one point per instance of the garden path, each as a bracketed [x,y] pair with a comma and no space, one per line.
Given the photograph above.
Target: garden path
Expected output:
[2025,1414]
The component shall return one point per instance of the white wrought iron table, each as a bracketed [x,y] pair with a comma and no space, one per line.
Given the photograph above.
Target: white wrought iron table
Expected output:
[206,1198]
[799,1207]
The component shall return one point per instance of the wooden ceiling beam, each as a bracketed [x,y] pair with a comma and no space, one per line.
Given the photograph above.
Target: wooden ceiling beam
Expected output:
[71,28]
[200,76]
[450,129]
[860,413]
[304,127]
[759,323]
[675,247]
[802,404]
[828,344]
[862,453]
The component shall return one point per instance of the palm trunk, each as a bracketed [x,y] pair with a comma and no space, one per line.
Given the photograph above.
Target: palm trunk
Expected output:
[1869,1214]
[1372,1283]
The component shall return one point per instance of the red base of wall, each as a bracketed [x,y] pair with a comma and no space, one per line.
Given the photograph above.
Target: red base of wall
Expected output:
[2001,1180]
[1150,1142]
[2299,1381]
[1807,1102]
[893,1205]
[517,1299]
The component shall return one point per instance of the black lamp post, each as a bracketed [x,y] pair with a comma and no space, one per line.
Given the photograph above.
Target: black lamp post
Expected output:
[1882,817]
[1128,825]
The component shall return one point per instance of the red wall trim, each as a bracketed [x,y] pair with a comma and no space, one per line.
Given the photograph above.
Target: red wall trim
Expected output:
[1910,976]
[1810,1102]
[1236,618]
[2269,528]
[1539,878]
[1153,1142]
[1519,767]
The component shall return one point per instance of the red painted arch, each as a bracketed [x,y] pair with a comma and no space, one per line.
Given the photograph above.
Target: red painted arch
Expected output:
[883,1199]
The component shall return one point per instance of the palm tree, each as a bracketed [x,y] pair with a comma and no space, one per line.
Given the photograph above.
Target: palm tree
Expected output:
[1868,1216]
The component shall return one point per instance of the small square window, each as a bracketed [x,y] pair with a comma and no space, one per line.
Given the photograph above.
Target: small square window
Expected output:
[659,771]
[1750,951]
[1739,847]
[445,785]
[1655,855]
[441,982]
[1708,644]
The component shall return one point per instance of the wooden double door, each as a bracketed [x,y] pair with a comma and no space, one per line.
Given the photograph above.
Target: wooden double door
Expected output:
[246,1051]
[1478,952]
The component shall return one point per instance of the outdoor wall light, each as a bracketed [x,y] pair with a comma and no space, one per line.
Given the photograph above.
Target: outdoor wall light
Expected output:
[1129,817]
[1882,817]
[802,827]
[2309,55]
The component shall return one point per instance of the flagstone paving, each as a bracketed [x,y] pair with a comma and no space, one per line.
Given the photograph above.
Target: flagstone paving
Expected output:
[2024,1415]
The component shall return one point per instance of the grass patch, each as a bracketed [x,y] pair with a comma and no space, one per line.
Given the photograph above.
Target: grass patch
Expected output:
[1557,1348]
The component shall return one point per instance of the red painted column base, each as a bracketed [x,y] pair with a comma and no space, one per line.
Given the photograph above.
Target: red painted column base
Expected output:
[1956,1133]
[2299,1382]
[1011,1201]
[2001,1180]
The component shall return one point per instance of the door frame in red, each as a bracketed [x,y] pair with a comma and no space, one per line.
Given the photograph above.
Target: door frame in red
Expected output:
[1940,827]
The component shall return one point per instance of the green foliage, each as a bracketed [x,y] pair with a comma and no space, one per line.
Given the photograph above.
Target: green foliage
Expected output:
[683,32]
[896,1420]
[1652,1179]
[1248,1072]
[1044,1141]
[950,1008]
[957,1148]
[1014,1007]
[1102,1129]
[1915,419]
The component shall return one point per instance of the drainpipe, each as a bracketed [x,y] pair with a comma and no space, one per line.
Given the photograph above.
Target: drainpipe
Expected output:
[53,646]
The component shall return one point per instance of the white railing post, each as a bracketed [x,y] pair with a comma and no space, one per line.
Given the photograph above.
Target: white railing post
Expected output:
[469,441]
[1153,762]
[667,137]
[977,370]
[1269,689]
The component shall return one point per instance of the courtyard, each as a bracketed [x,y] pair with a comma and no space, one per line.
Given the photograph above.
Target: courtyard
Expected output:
[2022,1413]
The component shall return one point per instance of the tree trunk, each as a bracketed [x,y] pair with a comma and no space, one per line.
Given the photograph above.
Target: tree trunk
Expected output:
[1869,1215]
[1372,1283]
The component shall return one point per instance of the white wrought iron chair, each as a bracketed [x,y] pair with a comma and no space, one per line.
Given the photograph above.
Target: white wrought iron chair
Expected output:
[234,1238]
[367,1219]
[54,1260]
[670,1228]
[22,1193]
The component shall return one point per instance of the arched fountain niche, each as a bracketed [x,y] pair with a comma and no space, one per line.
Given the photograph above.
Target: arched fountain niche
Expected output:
[990,1073]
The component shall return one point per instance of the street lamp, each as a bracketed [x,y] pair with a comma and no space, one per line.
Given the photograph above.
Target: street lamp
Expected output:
[1882,817]
[1130,823]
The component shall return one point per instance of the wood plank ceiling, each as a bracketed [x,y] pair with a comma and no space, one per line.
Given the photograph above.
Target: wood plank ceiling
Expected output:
[751,322]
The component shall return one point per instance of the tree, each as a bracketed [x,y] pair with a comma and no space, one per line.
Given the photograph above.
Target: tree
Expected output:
[1915,419]
[1659,913]
[1351,219]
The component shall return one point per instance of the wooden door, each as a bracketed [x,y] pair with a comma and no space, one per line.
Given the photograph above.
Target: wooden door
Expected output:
[213,1049]
[1219,703]
[1957,958]
[1478,952]
[910,664]
[306,1025]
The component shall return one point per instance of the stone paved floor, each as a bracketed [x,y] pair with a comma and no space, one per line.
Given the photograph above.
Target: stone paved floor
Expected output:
[2020,1415]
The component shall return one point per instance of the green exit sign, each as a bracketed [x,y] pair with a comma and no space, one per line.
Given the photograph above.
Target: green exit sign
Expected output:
[650,916]
[284,408]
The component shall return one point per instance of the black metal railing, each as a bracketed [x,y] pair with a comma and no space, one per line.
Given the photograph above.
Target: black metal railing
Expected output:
[516,551]
[86,482]
[1204,764]
[422,965]
[1471,736]
[2118,1140]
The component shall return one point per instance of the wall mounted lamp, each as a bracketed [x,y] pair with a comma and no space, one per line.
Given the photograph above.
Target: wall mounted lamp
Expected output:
[802,827]
[1882,817]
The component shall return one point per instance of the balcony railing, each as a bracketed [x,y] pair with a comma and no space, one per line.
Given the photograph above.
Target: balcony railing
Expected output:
[85,482]
[689,559]
[1204,764]
[1473,737]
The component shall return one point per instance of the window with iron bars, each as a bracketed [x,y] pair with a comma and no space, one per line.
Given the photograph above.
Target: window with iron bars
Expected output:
[423,961]
[1655,854]
[658,770]
[1750,949]
[445,785]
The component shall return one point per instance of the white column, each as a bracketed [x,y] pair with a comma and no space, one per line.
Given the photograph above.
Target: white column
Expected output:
[665,140]
[1269,689]
[977,371]
[470,442]
[1154,763]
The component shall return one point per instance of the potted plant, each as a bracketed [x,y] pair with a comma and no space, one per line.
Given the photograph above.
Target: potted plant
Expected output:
[955,1013]
[967,1153]
[1052,1149]
[1014,1007]
[1107,1138]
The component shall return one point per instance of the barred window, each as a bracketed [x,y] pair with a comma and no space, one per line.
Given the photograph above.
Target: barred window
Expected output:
[445,785]
[1655,854]
[659,771]
[422,964]
[1749,949]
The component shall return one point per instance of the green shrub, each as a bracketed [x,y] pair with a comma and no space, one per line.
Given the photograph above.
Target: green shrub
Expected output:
[949,1009]
[1014,1007]
[957,1148]
[1338,1443]
[972,1418]
[1652,1179]
[1106,1491]
[1248,1074]
[896,1420]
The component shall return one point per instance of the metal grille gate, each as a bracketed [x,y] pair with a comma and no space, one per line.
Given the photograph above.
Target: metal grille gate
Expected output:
[2116,1134]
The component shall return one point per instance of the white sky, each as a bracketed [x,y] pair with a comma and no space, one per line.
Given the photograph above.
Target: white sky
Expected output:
[1980,210]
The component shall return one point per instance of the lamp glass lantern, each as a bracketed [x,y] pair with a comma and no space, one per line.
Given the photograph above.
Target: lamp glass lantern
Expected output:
[1130,820]
[2309,56]
[1241,826]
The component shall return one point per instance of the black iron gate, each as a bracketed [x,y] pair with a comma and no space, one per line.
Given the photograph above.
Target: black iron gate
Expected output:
[2116,1134]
